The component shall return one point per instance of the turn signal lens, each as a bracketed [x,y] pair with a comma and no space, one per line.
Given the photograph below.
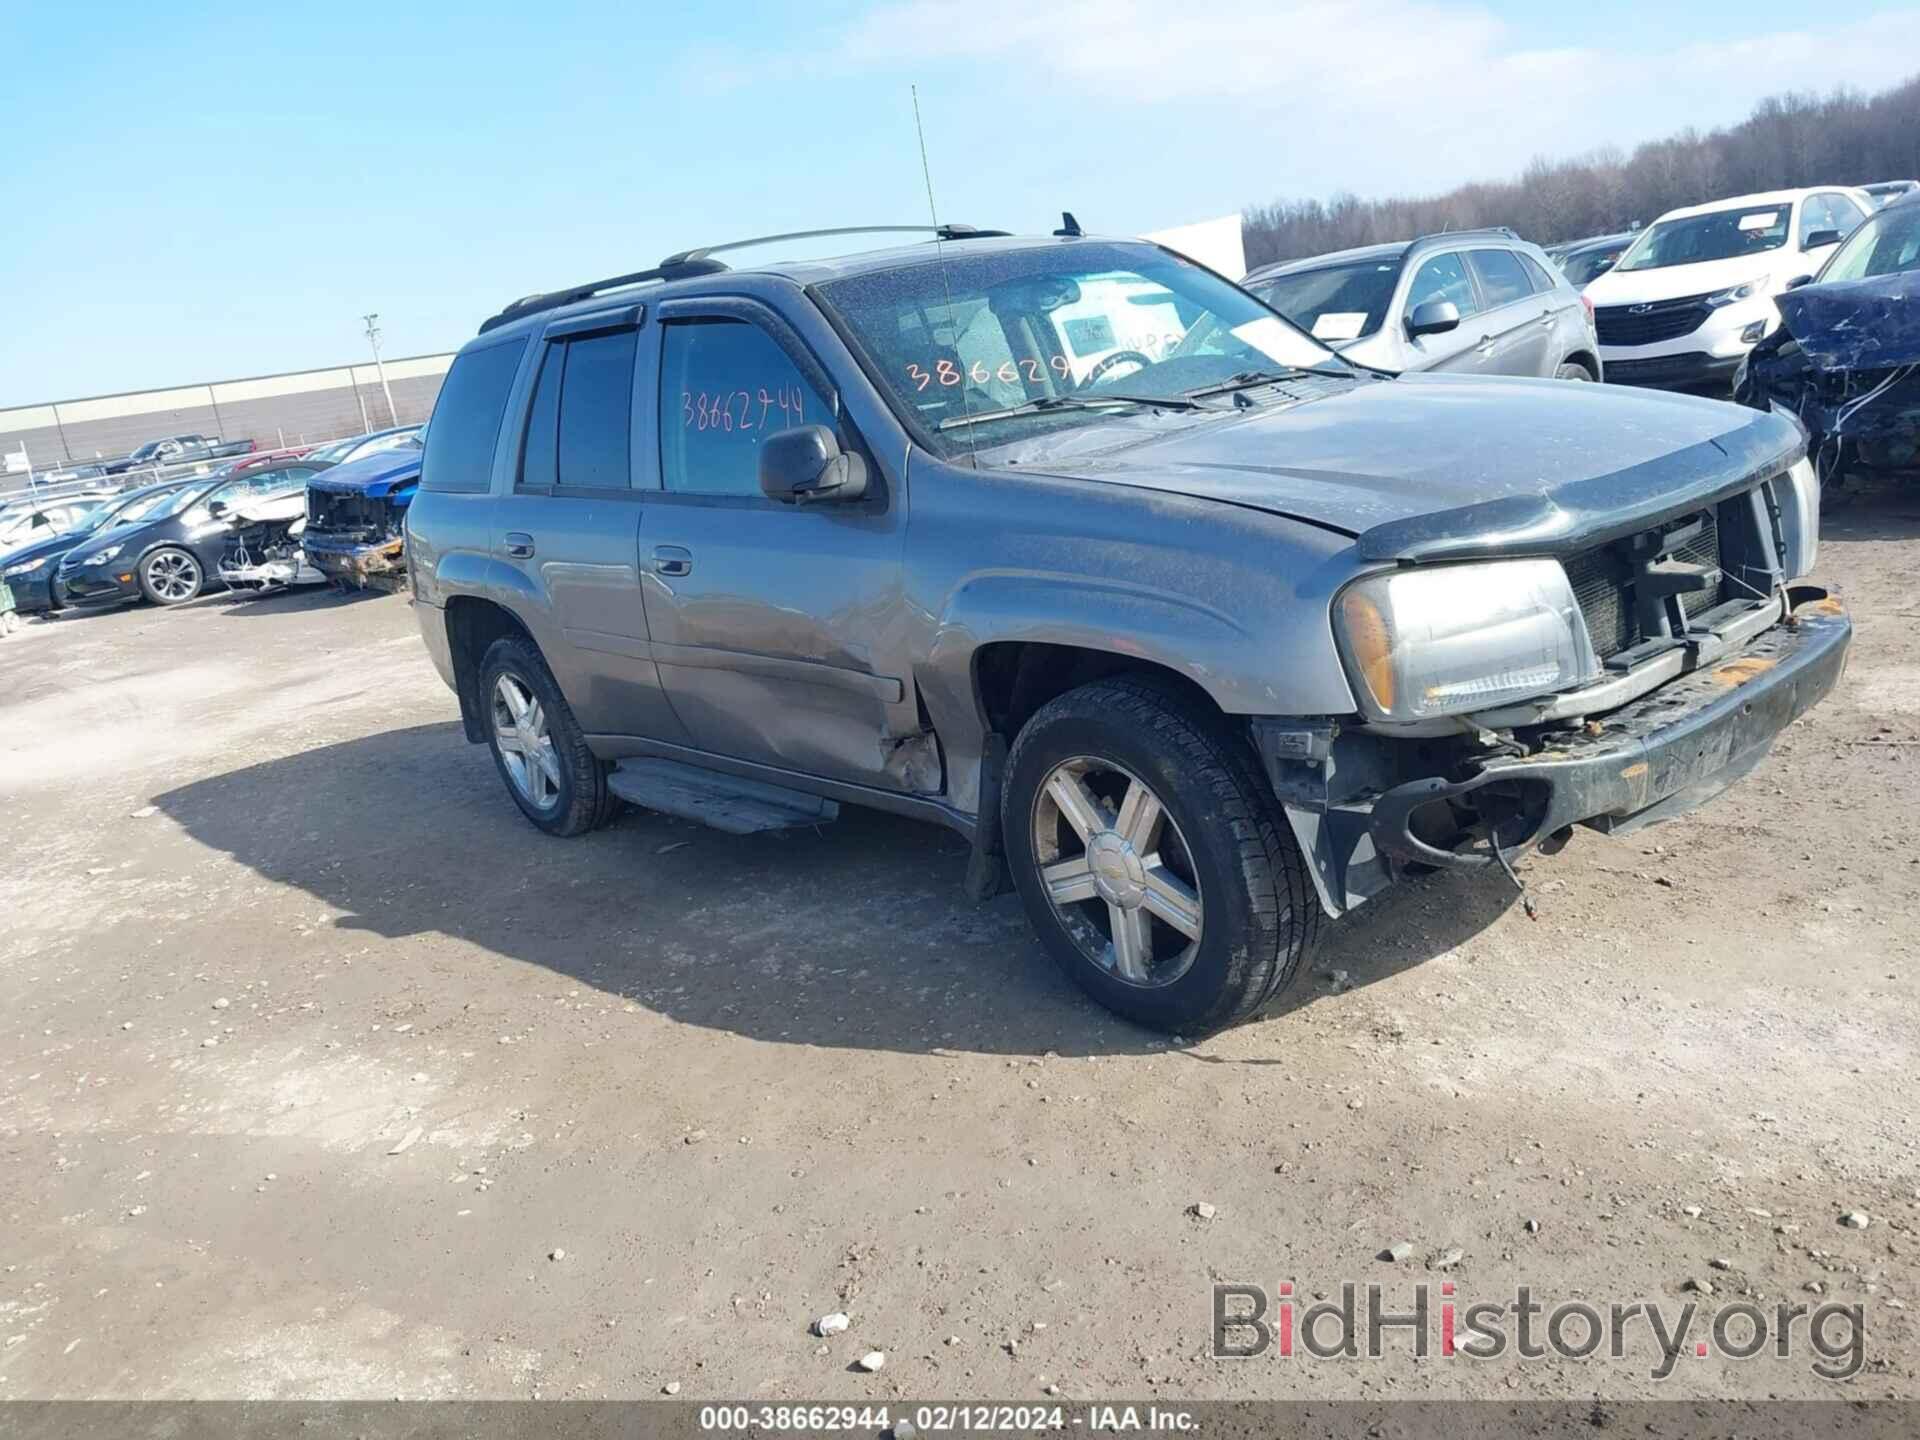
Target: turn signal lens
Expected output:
[1371,644]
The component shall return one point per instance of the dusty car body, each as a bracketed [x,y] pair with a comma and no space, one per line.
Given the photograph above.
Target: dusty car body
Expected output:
[1198,651]
[1846,358]
[357,519]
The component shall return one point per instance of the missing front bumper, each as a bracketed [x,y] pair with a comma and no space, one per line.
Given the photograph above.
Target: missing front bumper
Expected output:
[1661,756]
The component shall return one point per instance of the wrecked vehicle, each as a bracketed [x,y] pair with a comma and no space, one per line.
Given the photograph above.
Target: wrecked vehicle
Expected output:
[264,553]
[167,552]
[1846,358]
[357,519]
[1199,647]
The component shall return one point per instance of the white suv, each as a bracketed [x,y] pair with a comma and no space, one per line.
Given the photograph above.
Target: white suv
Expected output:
[1693,294]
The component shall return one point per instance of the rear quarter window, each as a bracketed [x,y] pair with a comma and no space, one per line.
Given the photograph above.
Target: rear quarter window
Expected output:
[1502,280]
[466,419]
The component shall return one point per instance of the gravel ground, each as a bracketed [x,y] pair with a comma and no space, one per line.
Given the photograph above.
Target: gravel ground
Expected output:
[322,1074]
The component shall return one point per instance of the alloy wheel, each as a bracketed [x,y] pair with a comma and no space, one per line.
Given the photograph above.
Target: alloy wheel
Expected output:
[173,576]
[525,742]
[1117,871]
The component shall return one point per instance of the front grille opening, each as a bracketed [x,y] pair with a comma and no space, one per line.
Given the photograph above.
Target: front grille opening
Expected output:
[1662,320]
[1603,585]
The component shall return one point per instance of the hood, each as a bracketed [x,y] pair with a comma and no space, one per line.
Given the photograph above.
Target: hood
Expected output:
[376,476]
[1670,282]
[53,545]
[1866,324]
[1428,466]
[267,509]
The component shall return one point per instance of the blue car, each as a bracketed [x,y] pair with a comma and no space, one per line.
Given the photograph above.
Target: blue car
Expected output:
[357,519]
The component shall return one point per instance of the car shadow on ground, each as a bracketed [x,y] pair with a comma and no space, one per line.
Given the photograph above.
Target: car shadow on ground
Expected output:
[293,600]
[1889,510]
[855,934]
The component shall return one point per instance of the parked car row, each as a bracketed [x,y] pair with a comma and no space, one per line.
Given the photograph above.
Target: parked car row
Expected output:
[251,524]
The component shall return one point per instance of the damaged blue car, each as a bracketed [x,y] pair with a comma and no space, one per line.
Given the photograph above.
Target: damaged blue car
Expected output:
[357,519]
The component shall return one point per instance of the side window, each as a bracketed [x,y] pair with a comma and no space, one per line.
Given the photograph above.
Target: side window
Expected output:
[1815,214]
[724,386]
[1501,278]
[1847,215]
[1542,281]
[580,424]
[1443,277]
[466,419]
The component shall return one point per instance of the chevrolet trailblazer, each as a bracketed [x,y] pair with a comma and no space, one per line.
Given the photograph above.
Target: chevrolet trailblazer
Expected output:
[1199,633]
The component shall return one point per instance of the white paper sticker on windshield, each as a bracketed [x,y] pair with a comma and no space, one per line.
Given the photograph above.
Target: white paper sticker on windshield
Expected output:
[1763,221]
[1340,325]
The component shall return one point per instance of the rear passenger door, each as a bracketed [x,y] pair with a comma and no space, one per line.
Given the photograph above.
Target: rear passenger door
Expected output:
[1515,341]
[569,526]
[1443,277]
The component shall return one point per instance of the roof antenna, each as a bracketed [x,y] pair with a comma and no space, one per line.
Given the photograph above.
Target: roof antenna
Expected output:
[1069,227]
[940,251]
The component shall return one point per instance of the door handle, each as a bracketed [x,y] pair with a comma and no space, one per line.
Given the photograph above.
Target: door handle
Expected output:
[519,545]
[1486,343]
[672,560]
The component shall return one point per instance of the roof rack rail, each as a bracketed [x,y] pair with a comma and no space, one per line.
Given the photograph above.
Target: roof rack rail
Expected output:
[689,263]
[939,232]
[553,299]
[1504,231]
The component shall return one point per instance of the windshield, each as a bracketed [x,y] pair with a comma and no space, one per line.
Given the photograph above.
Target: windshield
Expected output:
[1717,235]
[157,506]
[992,332]
[1886,244]
[1587,266]
[1336,302]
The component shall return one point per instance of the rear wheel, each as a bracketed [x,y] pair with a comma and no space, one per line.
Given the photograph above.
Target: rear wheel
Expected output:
[1572,370]
[1151,860]
[542,754]
[171,577]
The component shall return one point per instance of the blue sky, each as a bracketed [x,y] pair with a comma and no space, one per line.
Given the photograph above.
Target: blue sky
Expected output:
[222,193]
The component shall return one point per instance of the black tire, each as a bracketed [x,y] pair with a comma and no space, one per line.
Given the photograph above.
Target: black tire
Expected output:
[1572,370]
[171,576]
[1261,916]
[582,801]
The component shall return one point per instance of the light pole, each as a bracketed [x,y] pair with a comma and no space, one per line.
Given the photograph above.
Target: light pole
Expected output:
[373,339]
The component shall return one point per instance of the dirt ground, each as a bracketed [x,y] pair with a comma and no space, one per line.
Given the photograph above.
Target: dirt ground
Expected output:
[328,1076]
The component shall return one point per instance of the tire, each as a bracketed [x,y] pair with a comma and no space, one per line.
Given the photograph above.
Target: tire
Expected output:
[1572,370]
[171,576]
[569,798]
[1221,837]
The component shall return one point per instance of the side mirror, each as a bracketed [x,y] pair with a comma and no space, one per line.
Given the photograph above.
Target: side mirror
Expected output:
[217,509]
[1433,317]
[1797,281]
[806,463]
[1819,239]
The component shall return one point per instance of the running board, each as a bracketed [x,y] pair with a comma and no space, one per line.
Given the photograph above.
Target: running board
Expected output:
[726,802]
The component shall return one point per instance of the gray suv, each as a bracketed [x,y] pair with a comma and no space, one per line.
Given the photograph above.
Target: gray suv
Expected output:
[1198,633]
[1483,301]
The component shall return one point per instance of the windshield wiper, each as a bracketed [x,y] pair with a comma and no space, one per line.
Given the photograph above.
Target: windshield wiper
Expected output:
[1072,402]
[1247,379]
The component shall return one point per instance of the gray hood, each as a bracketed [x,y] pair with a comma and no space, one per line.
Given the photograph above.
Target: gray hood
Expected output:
[1425,467]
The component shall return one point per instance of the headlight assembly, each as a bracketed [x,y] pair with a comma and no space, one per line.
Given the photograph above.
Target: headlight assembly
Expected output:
[26,567]
[101,557]
[1734,294]
[1798,494]
[1455,638]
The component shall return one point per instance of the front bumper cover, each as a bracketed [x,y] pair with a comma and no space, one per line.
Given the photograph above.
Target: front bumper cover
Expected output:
[96,584]
[1661,756]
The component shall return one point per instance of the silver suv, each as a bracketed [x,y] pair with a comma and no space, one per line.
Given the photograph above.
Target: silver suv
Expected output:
[1482,301]
[1199,633]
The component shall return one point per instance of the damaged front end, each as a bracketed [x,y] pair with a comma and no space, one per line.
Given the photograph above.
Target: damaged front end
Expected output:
[1846,362]
[357,521]
[264,553]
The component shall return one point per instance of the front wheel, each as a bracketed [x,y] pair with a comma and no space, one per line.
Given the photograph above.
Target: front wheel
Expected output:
[1572,370]
[542,754]
[1151,860]
[171,577]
